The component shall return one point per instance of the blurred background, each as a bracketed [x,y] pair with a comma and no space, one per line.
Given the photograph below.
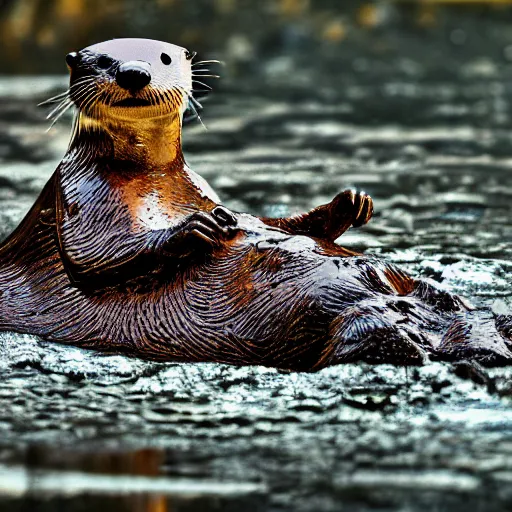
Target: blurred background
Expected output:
[35,34]
[408,100]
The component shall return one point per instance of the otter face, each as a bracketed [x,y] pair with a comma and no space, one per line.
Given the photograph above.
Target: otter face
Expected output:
[130,79]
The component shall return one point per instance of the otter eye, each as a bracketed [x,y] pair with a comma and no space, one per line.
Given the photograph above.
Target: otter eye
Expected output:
[72,59]
[104,62]
[190,55]
[165,59]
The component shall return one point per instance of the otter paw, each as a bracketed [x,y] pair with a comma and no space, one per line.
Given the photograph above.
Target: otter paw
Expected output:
[209,228]
[353,208]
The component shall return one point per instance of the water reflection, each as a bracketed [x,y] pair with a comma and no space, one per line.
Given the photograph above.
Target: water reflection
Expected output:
[131,481]
[421,119]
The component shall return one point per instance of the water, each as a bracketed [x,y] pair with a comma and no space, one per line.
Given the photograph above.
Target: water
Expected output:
[82,430]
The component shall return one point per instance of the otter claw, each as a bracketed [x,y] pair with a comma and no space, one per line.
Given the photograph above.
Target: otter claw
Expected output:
[209,229]
[363,208]
[199,234]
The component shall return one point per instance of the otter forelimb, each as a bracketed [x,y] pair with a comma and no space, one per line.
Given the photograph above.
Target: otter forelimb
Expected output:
[331,220]
[147,252]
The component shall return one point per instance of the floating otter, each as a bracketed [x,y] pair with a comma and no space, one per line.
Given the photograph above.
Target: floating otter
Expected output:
[128,250]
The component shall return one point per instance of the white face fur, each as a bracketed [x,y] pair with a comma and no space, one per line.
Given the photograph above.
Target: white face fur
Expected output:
[106,78]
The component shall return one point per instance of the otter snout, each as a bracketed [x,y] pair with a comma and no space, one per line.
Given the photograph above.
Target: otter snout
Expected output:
[133,75]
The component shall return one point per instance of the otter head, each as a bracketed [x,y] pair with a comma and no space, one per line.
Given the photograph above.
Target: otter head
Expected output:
[130,79]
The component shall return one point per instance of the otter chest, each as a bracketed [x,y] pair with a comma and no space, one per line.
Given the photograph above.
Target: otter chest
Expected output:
[137,203]
[160,200]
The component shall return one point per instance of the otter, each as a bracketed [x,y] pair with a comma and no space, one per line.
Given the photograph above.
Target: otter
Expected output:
[128,250]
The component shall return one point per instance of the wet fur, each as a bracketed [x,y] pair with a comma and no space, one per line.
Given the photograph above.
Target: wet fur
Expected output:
[107,259]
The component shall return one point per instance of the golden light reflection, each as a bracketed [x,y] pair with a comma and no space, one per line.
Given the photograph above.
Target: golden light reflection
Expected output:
[368,15]
[70,8]
[35,34]
[157,504]
[334,31]
[293,7]
[427,16]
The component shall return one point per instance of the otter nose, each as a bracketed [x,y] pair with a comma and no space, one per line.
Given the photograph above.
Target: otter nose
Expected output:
[133,75]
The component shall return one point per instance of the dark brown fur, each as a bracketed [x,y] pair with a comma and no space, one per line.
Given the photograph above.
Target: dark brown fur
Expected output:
[89,265]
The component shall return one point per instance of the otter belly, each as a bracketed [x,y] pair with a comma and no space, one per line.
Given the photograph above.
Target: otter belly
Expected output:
[247,304]
[282,301]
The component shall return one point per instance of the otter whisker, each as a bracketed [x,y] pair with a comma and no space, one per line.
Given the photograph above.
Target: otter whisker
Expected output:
[66,93]
[202,84]
[118,96]
[77,87]
[83,86]
[155,97]
[60,114]
[61,105]
[191,103]
[151,96]
[164,103]
[172,95]
[79,83]
[148,96]
[63,109]
[54,99]
[83,95]
[197,115]
[205,76]
[90,99]
[114,97]
[207,62]
[177,95]
[172,99]
[195,101]
[158,98]
[83,91]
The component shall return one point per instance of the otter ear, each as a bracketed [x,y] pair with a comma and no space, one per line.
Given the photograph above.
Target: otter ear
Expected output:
[72,59]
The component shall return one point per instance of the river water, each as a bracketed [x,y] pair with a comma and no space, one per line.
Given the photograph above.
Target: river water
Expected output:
[434,148]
